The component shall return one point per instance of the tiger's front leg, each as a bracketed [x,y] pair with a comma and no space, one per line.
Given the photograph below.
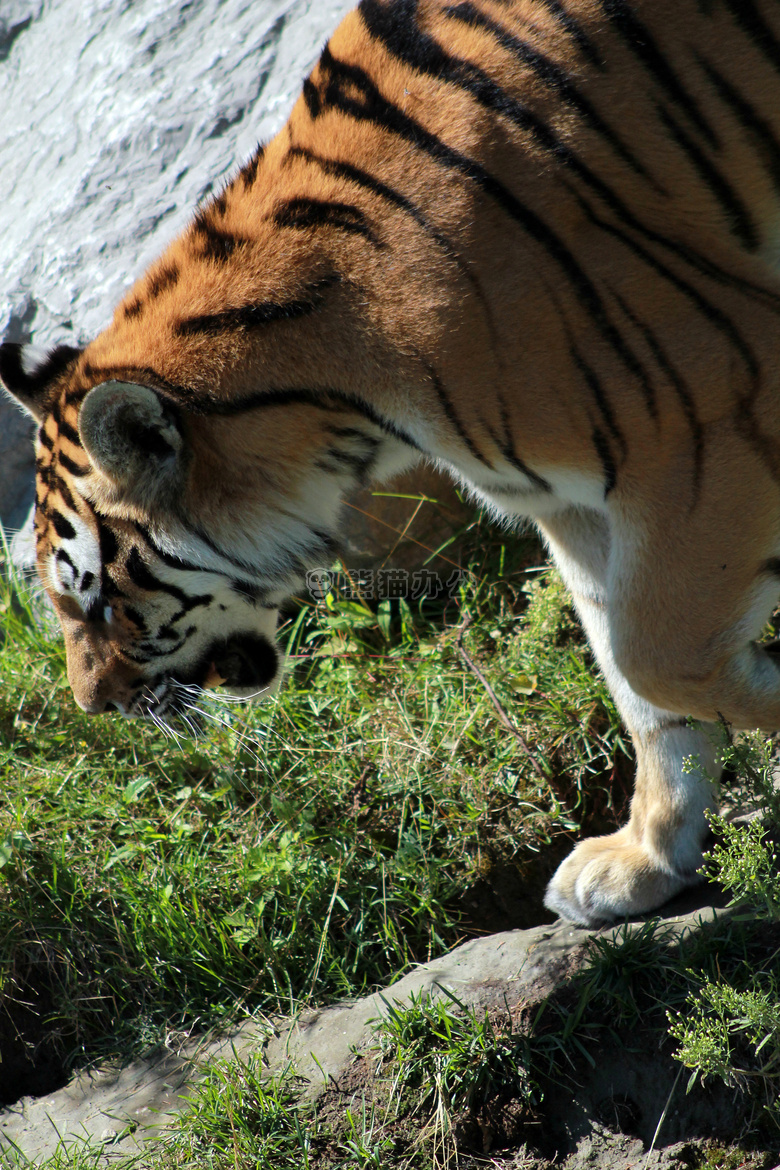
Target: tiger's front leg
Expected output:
[657,853]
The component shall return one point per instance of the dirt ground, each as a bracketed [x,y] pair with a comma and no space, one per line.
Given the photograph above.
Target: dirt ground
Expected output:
[624,1105]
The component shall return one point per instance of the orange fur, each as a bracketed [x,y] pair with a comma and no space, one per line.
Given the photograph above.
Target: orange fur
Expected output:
[534,243]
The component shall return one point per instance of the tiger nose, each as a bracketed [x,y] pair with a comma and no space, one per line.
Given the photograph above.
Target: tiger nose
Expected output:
[93,693]
[92,672]
[93,702]
[96,706]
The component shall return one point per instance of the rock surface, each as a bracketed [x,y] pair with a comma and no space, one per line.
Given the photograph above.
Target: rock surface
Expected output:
[118,118]
[126,1108]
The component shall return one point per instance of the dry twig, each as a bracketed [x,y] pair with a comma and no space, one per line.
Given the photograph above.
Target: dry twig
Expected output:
[491,694]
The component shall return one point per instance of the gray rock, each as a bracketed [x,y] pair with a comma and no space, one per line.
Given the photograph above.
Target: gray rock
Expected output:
[125,1108]
[17,469]
[117,118]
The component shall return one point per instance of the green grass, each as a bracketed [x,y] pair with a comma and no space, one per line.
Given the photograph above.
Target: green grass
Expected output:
[242,1118]
[303,850]
[373,815]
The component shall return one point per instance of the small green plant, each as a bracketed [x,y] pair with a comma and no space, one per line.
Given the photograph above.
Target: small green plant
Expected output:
[749,757]
[733,1035]
[68,1155]
[241,1119]
[745,862]
[451,1060]
[365,1145]
[729,1025]
[621,971]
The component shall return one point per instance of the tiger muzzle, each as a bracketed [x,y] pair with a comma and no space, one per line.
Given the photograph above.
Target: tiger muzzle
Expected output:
[244,660]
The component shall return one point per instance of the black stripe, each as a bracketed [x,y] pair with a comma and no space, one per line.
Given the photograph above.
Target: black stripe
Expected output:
[681,389]
[71,466]
[138,375]
[607,462]
[747,15]
[13,374]
[750,121]
[142,576]
[248,172]
[138,656]
[177,562]
[195,602]
[368,182]
[45,440]
[69,432]
[507,449]
[148,651]
[172,635]
[94,610]
[734,209]
[62,526]
[216,244]
[311,97]
[286,562]
[575,31]
[549,74]
[133,309]
[354,433]
[322,399]
[711,312]
[484,90]
[255,316]
[602,402]
[170,559]
[61,555]
[345,170]
[537,480]
[334,462]
[452,416]
[640,41]
[395,28]
[305,213]
[771,565]
[109,545]
[358,461]
[65,494]
[349,89]
[167,277]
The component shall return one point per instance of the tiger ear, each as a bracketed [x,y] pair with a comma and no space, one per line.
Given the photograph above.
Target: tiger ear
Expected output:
[132,438]
[30,384]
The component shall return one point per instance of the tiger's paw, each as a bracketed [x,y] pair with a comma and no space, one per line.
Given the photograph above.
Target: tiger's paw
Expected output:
[606,878]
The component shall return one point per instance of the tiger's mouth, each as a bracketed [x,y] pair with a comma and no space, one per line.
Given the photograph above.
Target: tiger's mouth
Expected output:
[245,663]
[242,661]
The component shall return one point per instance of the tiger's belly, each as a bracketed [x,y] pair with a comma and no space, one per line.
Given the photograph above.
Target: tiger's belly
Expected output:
[567,488]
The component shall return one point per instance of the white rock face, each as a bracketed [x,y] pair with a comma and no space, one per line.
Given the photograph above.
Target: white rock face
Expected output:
[117,117]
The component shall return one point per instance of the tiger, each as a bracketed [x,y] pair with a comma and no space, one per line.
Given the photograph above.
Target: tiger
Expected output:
[533,243]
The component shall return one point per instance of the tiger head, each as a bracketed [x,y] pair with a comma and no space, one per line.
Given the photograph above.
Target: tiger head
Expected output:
[166,541]
[193,460]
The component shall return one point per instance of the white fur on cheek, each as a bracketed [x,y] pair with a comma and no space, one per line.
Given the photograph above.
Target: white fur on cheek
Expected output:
[74,569]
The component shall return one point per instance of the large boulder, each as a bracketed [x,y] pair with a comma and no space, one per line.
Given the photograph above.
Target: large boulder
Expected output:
[604,1114]
[117,120]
